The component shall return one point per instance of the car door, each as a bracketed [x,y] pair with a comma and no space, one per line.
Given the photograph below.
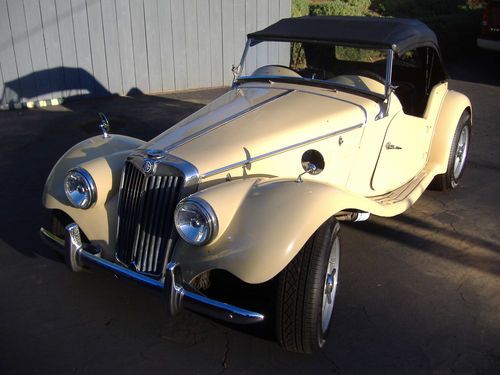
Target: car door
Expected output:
[403,153]
[406,145]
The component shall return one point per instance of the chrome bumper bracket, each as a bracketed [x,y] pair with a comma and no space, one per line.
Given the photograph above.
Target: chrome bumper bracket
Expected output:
[177,296]
[73,247]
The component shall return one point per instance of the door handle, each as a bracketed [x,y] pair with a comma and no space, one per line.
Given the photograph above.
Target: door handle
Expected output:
[390,146]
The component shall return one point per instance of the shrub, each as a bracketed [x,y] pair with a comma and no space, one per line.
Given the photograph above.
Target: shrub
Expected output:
[300,8]
[340,8]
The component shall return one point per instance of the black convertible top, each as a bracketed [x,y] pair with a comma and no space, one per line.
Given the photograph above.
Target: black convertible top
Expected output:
[400,34]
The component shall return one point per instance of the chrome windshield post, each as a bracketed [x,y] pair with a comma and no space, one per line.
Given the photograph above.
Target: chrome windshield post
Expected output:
[388,83]
[388,73]
[238,69]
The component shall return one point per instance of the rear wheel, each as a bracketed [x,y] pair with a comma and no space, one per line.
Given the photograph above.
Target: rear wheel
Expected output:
[306,292]
[457,158]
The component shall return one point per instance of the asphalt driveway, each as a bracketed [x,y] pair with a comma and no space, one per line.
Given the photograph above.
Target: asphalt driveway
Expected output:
[420,293]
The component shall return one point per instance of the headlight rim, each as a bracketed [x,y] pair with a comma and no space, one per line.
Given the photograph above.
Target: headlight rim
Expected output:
[207,211]
[91,185]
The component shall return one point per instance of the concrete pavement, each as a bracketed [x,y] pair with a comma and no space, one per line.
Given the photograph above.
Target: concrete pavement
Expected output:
[419,294]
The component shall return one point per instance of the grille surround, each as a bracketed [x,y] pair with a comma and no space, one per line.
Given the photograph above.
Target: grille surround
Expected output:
[146,232]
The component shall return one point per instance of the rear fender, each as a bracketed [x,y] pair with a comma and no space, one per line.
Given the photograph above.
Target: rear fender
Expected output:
[453,106]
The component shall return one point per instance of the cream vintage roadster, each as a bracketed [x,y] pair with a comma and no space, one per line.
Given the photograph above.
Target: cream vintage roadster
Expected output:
[329,119]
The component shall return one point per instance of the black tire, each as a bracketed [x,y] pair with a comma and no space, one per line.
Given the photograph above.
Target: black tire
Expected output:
[449,180]
[301,290]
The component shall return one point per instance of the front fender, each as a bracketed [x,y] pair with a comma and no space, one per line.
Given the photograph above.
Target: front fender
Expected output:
[103,158]
[263,224]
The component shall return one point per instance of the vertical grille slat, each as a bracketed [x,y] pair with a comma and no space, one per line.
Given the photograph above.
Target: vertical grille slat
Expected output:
[130,203]
[145,224]
[167,185]
[158,193]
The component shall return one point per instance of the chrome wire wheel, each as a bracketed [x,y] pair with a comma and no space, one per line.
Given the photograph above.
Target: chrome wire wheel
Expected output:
[330,285]
[461,152]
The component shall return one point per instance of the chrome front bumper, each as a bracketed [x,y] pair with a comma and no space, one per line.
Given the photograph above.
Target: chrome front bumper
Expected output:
[177,295]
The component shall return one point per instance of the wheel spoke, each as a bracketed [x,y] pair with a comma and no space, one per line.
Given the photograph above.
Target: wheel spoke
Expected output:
[330,287]
[461,152]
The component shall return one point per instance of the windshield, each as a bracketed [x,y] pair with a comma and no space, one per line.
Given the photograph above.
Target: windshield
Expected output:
[331,65]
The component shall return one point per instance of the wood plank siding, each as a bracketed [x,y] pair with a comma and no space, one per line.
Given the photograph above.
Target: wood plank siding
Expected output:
[70,48]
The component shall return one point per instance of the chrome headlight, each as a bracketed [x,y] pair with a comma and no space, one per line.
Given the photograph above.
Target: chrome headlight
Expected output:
[195,221]
[80,188]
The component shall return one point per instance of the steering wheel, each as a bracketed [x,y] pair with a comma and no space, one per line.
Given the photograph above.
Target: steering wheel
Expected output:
[366,73]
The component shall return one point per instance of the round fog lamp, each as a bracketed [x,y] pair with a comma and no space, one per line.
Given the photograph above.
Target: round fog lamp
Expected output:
[80,188]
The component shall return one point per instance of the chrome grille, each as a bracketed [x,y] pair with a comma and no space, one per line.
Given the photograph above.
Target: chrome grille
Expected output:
[145,219]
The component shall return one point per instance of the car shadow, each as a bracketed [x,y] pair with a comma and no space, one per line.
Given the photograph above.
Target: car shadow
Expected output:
[417,234]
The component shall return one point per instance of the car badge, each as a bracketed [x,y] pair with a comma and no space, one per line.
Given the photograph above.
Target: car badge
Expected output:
[148,166]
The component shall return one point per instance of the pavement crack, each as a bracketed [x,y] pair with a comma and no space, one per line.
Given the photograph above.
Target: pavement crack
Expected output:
[334,367]
[463,298]
[225,359]
[368,317]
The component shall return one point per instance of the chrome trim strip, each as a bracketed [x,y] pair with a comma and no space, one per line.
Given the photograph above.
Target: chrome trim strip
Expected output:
[278,151]
[226,120]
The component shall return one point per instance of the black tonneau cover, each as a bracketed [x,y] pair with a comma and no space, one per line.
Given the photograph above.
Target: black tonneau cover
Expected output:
[400,34]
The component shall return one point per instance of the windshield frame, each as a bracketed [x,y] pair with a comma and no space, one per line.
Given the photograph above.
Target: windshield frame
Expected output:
[237,78]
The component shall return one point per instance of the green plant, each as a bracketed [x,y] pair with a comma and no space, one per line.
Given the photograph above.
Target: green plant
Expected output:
[341,8]
[300,8]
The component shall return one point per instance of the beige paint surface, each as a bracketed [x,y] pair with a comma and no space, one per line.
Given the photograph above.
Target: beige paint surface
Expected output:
[250,162]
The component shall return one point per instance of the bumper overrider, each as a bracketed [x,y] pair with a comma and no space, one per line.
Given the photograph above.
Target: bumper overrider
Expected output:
[178,295]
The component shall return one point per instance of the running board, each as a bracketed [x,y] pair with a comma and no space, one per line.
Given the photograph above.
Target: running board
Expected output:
[403,192]
[399,200]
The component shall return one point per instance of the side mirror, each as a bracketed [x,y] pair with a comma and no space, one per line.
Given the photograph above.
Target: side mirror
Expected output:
[313,163]
[310,168]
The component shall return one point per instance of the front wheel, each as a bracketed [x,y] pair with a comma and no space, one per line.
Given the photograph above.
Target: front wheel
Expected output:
[306,292]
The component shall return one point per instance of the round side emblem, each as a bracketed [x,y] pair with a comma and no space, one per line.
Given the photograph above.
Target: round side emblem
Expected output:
[147,167]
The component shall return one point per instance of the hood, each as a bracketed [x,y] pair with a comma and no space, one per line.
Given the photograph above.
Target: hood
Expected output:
[254,120]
